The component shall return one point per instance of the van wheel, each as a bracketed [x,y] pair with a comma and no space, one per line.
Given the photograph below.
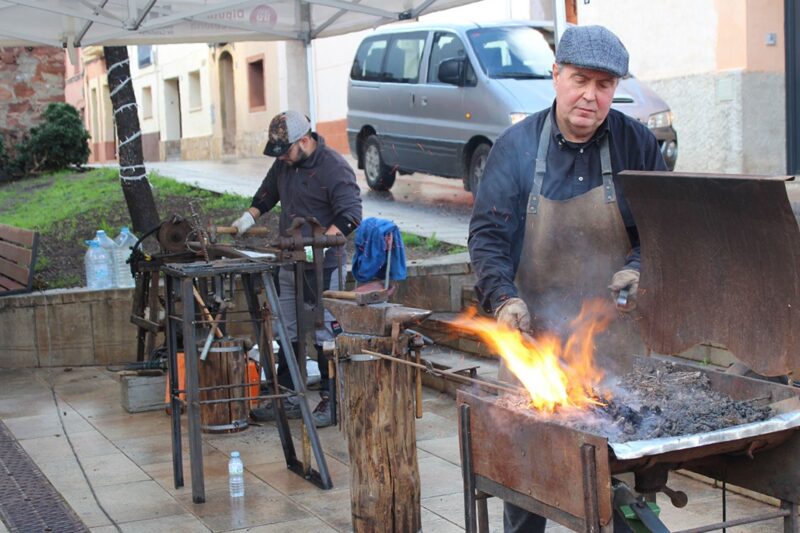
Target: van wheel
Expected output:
[477,164]
[380,177]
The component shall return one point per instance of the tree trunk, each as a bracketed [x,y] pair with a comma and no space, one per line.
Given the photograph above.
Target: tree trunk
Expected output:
[381,437]
[132,173]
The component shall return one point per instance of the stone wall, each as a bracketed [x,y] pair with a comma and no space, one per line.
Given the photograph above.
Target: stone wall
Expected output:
[437,283]
[729,122]
[67,328]
[81,327]
[30,78]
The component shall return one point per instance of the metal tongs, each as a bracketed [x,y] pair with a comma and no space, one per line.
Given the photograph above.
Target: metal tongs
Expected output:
[622,297]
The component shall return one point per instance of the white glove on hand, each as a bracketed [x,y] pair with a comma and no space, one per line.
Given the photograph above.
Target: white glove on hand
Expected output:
[243,223]
[514,314]
[626,278]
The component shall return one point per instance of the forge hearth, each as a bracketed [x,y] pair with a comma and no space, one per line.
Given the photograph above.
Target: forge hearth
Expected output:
[565,473]
[656,399]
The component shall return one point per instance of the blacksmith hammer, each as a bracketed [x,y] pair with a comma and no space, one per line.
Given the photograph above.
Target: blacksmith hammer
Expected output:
[361,298]
[215,231]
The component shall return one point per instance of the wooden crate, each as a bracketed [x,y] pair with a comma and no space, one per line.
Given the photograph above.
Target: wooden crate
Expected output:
[142,393]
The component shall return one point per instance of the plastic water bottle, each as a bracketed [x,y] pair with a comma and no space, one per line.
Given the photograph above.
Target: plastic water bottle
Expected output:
[125,241]
[108,244]
[97,264]
[236,476]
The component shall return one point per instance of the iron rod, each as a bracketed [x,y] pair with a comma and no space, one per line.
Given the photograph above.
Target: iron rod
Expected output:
[175,401]
[297,376]
[738,522]
[445,373]
[591,505]
[470,518]
[192,394]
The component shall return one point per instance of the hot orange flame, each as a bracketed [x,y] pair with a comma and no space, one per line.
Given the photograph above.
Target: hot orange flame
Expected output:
[556,374]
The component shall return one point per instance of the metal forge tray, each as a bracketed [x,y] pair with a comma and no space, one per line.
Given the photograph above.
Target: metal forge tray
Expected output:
[565,474]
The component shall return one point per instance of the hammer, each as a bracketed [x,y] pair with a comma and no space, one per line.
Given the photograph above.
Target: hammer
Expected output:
[213,231]
[361,298]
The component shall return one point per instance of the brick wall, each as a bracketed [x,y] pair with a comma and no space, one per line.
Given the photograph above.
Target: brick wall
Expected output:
[30,78]
[335,133]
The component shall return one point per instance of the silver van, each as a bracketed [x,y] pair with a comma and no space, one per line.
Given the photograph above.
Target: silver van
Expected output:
[432,98]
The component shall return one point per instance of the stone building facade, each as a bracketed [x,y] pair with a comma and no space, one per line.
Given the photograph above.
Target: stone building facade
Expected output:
[30,78]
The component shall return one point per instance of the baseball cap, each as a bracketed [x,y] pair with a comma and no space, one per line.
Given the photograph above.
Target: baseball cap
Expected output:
[285,129]
[594,47]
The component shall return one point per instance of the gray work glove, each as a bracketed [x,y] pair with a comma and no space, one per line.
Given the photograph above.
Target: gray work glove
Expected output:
[514,314]
[243,223]
[626,278]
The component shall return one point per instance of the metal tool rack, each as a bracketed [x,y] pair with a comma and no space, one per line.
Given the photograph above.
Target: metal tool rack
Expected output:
[180,279]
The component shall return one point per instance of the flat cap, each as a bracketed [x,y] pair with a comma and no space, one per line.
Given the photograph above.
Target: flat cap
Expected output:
[284,130]
[594,47]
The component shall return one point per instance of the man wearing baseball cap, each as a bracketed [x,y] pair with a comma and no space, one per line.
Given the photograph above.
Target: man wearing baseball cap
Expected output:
[550,226]
[309,179]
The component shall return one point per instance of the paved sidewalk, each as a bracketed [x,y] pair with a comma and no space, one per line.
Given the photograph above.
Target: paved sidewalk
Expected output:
[127,460]
[444,211]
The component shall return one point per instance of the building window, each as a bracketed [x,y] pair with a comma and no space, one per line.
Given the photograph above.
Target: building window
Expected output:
[145,54]
[255,83]
[147,102]
[195,98]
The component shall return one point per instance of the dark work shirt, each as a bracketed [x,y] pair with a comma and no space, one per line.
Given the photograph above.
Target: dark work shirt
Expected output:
[322,186]
[497,227]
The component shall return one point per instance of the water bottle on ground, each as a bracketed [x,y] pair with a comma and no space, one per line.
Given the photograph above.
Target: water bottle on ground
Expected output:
[97,265]
[236,476]
[125,241]
[108,244]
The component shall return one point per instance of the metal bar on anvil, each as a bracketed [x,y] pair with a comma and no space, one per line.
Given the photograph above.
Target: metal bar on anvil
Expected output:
[374,319]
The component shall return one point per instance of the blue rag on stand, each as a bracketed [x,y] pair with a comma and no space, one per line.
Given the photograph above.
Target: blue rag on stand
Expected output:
[369,262]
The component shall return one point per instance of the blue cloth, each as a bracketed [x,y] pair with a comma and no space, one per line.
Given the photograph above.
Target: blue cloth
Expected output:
[369,261]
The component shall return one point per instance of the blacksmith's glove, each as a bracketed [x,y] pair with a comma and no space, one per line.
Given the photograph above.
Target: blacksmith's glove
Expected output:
[626,278]
[243,223]
[514,314]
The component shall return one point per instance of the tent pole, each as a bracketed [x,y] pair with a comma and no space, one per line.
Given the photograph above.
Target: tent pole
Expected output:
[305,18]
[312,101]
[560,19]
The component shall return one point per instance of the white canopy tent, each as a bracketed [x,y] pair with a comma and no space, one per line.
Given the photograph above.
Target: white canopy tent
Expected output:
[75,23]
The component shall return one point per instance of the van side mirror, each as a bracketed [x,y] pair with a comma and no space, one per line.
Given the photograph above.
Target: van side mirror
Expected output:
[452,71]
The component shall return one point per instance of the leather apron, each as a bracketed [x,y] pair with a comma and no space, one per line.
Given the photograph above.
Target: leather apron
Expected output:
[571,250]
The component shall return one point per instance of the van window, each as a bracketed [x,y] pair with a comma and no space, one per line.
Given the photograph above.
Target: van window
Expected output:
[403,58]
[513,52]
[448,46]
[369,58]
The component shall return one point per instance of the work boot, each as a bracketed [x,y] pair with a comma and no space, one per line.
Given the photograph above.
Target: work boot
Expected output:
[268,412]
[322,413]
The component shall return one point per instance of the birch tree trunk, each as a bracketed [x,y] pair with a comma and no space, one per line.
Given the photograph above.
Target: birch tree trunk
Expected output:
[132,173]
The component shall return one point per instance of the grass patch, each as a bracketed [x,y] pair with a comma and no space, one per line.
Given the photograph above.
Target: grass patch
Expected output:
[431,244]
[57,198]
[67,208]
[40,202]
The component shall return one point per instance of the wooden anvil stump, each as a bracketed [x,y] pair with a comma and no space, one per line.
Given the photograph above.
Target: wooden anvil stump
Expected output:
[378,414]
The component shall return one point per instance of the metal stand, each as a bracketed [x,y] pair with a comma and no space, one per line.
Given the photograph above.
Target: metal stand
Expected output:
[180,279]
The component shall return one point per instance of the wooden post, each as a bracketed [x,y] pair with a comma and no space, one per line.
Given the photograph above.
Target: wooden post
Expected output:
[378,420]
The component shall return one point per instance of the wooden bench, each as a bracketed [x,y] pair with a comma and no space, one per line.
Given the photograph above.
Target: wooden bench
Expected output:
[18,249]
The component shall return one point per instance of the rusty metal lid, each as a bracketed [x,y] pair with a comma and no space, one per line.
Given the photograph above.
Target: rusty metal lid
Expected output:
[720,264]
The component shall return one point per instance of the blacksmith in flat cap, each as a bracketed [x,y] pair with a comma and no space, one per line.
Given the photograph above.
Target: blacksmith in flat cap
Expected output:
[550,226]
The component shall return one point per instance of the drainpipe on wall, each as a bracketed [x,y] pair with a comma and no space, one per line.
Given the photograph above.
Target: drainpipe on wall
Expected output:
[791,21]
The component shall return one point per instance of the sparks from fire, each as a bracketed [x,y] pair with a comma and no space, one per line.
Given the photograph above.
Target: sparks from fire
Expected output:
[558,375]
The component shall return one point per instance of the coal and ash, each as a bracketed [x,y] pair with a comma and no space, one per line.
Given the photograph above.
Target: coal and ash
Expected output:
[654,401]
